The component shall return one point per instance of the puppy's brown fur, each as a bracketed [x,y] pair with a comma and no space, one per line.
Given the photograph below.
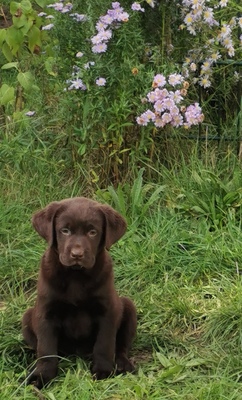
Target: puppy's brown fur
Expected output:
[78,310]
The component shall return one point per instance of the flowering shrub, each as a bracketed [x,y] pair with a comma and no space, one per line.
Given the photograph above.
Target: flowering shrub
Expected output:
[201,18]
[104,26]
[216,27]
[101,57]
[167,100]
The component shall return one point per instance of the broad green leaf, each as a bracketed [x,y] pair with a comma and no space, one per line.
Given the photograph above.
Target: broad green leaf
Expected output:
[195,362]
[82,149]
[154,197]
[2,36]
[14,39]
[26,80]
[14,7]
[50,65]
[19,22]
[198,210]
[10,65]
[165,362]
[34,38]
[26,6]
[25,29]
[7,52]
[6,94]
[114,197]
[168,373]
[41,3]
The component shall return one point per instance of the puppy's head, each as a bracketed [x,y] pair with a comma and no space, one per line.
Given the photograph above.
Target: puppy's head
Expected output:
[78,229]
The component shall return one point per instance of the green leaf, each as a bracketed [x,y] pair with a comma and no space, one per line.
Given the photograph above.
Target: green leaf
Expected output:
[2,36]
[34,38]
[82,149]
[136,190]
[26,80]
[14,39]
[168,373]
[25,29]
[115,199]
[19,22]
[122,201]
[14,7]
[195,362]
[7,52]
[198,210]
[26,6]
[10,65]
[153,198]
[6,94]
[50,65]
[165,362]
[231,197]
[41,3]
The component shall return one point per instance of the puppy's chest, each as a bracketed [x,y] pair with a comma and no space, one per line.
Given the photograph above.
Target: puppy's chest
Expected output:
[76,292]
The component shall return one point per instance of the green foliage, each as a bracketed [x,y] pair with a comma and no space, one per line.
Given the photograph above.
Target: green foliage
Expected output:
[136,201]
[218,199]
[25,29]
[24,35]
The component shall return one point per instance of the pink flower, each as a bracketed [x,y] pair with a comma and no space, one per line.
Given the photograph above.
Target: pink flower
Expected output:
[175,79]
[100,26]
[99,48]
[101,81]
[77,84]
[142,120]
[137,7]
[159,80]
[115,4]
[159,106]
[150,115]
[177,120]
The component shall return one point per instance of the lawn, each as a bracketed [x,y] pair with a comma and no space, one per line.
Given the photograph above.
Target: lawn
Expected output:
[181,265]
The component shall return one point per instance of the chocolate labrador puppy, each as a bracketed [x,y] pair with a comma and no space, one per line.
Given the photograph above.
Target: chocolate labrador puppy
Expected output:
[78,310]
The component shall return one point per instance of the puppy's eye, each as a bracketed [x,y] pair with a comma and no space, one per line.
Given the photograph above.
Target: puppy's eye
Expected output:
[65,231]
[92,233]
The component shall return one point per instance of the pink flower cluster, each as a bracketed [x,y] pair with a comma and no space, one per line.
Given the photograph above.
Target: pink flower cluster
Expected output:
[76,82]
[61,6]
[104,27]
[167,99]
[64,8]
[219,37]
[137,7]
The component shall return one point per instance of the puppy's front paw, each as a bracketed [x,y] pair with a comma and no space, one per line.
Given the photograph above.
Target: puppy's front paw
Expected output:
[102,370]
[41,375]
[124,365]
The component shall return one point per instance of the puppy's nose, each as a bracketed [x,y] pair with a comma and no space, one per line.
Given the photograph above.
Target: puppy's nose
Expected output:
[77,253]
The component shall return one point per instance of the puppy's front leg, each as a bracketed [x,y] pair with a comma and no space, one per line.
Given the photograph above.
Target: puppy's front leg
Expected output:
[104,348]
[46,365]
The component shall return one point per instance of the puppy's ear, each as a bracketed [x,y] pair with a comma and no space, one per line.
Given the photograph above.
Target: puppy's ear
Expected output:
[43,221]
[115,225]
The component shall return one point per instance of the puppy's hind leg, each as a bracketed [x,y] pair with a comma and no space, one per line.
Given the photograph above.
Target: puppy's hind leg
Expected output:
[125,336]
[28,333]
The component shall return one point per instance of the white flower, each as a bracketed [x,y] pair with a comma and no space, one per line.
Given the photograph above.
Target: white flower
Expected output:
[47,27]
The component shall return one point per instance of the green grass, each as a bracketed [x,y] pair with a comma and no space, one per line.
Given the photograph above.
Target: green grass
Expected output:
[182,271]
